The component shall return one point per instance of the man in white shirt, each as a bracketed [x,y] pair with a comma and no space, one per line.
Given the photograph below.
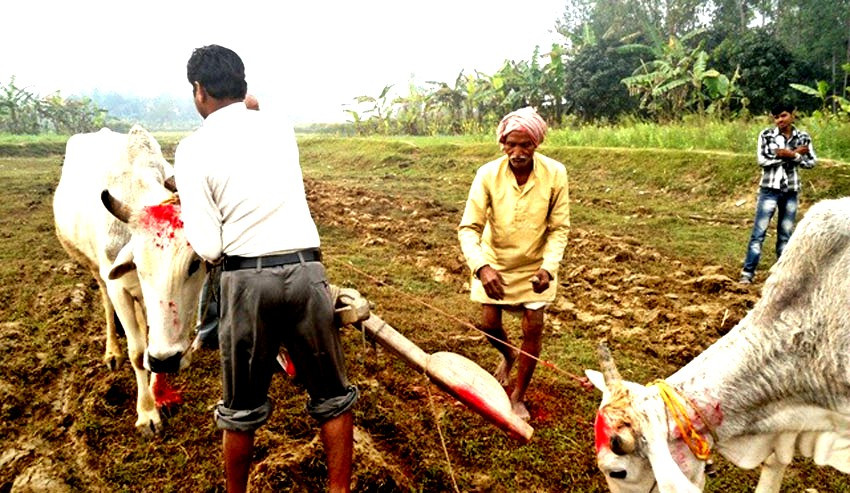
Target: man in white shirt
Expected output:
[243,202]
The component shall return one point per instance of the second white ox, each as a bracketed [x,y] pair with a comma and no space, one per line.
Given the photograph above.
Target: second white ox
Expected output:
[777,385]
[115,214]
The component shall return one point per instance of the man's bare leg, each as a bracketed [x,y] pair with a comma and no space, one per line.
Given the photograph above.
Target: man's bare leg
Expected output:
[491,323]
[532,330]
[338,440]
[238,450]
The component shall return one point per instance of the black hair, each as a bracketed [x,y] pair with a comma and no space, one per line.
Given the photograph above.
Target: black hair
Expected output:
[781,106]
[219,70]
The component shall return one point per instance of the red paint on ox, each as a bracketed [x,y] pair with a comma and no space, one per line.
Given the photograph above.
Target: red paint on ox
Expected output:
[602,432]
[171,308]
[162,221]
[163,393]
[714,414]
[711,412]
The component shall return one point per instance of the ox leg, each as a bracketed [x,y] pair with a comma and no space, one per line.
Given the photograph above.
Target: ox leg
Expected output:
[132,318]
[114,356]
[770,479]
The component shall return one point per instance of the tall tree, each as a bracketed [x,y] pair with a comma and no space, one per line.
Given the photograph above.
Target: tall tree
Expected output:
[625,19]
[766,68]
[817,31]
[592,84]
[730,17]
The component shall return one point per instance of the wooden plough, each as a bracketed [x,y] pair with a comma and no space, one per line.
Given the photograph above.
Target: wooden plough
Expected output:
[459,376]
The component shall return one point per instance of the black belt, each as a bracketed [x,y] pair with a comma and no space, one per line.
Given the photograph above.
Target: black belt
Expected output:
[308,255]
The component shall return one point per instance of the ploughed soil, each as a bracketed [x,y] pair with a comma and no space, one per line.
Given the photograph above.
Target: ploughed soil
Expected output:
[66,421]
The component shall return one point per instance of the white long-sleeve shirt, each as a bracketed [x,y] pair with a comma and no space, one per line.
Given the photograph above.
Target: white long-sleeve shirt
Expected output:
[241,188]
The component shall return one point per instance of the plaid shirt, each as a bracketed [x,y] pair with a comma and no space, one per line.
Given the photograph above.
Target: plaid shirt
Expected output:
[781,173]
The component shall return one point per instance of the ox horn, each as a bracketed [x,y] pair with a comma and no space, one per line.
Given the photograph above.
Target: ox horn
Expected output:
[170,184]
[606,363]
[117,208]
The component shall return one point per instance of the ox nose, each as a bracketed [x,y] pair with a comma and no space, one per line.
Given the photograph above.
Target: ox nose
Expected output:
[170,364]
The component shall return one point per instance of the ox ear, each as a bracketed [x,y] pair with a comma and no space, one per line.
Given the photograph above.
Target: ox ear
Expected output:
[597,380]
[667,472]
[123,263]
[656,439]
[140,142]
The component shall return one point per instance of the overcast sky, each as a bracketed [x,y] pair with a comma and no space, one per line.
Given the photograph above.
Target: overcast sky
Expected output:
[311,58]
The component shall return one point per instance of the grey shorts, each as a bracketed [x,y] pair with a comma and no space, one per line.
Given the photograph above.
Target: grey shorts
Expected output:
[262,309]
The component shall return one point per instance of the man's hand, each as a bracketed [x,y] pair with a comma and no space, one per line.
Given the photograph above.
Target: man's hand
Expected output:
[540,281]
[802,150]
[492,281]
[785,153]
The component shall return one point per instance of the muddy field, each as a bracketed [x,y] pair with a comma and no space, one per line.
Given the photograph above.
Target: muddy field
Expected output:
[67,422]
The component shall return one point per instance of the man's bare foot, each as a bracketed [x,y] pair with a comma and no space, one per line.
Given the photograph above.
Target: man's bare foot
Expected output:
[521,411]
[503,371]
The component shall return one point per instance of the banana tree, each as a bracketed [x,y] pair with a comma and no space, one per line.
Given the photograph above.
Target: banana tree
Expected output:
[379,110]
[822,92]
[721,91]
[553,81]
[19,110]
[673,80]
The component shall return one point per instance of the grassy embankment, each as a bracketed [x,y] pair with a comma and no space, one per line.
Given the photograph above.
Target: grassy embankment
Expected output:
[686,204]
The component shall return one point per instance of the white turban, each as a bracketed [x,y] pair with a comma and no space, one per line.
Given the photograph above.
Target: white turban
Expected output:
[526,120]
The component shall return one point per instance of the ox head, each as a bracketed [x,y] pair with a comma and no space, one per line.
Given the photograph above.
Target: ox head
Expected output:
[170,276]
[636,450]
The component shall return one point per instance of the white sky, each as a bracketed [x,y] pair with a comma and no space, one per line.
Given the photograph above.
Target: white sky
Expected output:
[311,56]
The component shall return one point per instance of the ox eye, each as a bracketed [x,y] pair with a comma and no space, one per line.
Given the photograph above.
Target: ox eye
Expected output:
[194,266]
[621,474]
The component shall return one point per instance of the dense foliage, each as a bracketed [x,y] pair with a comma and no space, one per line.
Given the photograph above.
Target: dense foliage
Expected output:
[767,70]
[22,112]
[651,59]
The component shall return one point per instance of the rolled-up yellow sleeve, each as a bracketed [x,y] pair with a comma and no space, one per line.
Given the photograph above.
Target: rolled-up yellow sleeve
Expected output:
[558,227]
[472,224]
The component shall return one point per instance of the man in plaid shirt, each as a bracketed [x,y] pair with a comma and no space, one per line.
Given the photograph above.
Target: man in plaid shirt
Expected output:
[781,150]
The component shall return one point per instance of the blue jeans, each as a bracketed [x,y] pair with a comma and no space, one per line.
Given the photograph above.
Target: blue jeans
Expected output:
[769,201]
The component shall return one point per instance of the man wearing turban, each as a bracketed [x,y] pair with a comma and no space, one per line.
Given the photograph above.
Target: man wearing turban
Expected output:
[513,234]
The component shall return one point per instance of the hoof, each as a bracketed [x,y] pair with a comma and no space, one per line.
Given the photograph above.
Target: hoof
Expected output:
[168,409]
[112,362]
[149,428]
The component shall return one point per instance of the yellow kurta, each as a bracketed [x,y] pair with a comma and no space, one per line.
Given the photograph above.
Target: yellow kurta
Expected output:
[516,230]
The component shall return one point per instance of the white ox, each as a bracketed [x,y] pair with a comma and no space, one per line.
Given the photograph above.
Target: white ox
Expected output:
[115,213]
[777,385]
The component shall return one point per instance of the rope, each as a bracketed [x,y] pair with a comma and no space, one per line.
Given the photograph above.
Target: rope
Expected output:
[543,362]
[440,432]
[692,438]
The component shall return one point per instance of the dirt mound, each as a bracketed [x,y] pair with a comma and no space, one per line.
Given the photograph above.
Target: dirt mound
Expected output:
[612,287]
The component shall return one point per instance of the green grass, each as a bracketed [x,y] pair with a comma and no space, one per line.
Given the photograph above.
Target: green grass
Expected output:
[831,139]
